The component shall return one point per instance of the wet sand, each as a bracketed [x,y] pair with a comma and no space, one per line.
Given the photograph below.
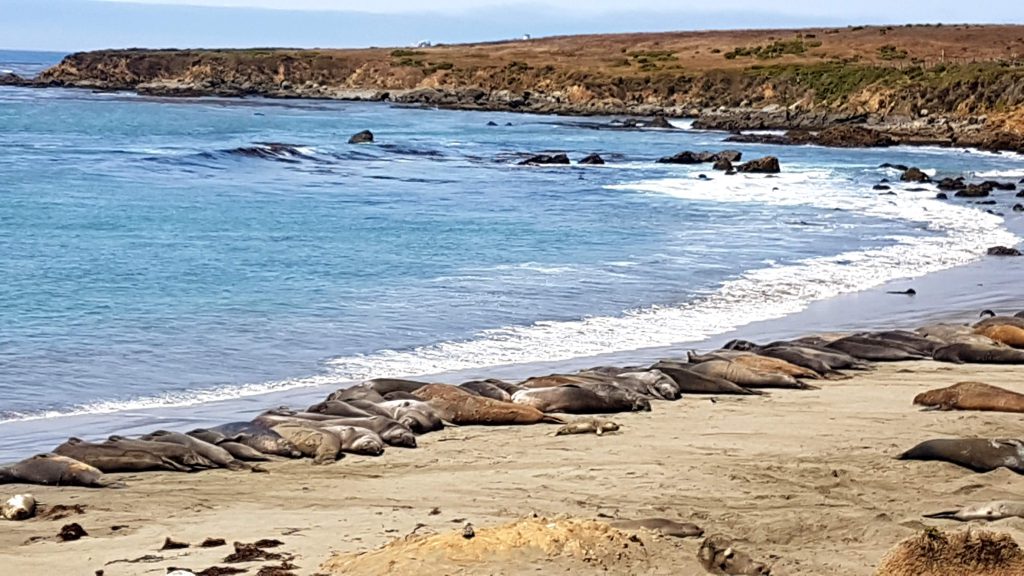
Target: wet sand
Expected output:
[803,479]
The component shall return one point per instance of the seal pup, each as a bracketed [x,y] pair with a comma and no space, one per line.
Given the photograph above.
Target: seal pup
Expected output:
[55,470]
[661,525]
[972,396]
[459,406]
[996,510]
[18,507]
[977,454]
[211,452]
[314,442]
[978,354]
[588,426]
[258,437]
[691,382]
[718,556]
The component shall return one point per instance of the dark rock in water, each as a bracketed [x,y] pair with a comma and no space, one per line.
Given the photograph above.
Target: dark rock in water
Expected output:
[269,151]
[774,139]
[942,196]
[702,177]
[974,191]
[723,164]
[71,532]
[845,136]
[660,121]
[951,184]
[11,79]
[881,187]
[688,157]
[899,167]
[1018,207]
[363,137]
[889,193]
[1020,194]
[730,155]
[985,202]
[508,124]
[914,175]
[730,172]
[682,158]
[1003,251]
[593,159]
[917,189]
[766,165]
[492,123]
[1004,186]
[545,159]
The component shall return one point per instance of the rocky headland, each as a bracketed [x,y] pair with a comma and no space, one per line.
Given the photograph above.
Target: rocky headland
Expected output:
[939,84]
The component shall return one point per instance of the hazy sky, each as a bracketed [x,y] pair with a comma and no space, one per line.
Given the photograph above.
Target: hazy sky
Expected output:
[87,24]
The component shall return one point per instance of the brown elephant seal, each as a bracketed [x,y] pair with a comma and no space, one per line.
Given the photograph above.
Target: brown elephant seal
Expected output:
[55,470]
[458,406]
[996,510]
[756,362]
[355,440]
[18,507]
[260,438]
[122,457]
[597,426]
[342,408]
[486,389]
[419,416]
[661,525]
[1007,334]
[385,385]
[691,382]
[948,333]
[972,396]
[314,442]
[718,556]
[993,319]
[978,354]
[977,454]
[746,377]
[211,452]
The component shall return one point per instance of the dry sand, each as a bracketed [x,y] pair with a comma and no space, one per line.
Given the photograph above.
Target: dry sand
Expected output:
[804,479]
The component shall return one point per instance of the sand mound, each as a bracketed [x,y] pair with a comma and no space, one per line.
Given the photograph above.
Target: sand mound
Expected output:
[522,546]
[968,553]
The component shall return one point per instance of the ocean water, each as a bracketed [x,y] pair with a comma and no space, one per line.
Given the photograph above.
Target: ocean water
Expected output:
[158,253]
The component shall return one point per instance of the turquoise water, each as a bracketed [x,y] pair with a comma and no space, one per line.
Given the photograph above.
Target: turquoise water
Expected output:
[147,260]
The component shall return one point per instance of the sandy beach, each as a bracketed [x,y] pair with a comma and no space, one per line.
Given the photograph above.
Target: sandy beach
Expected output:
[804,480]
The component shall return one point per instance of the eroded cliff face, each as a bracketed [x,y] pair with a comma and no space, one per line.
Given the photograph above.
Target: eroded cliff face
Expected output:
[953,104]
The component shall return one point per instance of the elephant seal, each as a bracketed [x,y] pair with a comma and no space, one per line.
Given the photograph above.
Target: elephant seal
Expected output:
[653,383]
[874,350]
[18,507]
[183,455]
[260,438]
[993,320]
[394,433]
[569,399]
[211,452]
[384,385]
[662,525]
[359,392]
[416,414]
[618,398]
[954,334]
[972,396]
[757,362]
[341,408]
[746,377]
[458,406]
[996,510]
[1007,334]
[399,396]
[237,450]
[320,445]
[977,454]
[355,440]
[907,340]
[55,470]
[487,389]
[718,556]
[978,354]
[691,382]
[371,408]
[114,457]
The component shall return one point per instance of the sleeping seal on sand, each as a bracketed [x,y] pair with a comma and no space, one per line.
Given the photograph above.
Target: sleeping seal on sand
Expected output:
[977,454]
[718,556]
[340,408]
[55,470]
[746,377]
[259,438]
[117,457]
[487,389]
[691,382]
[972,396]
[416,414]
[211,452]
[355,440]
[569,399]
[978,354]
[996,510]
[236,449]
[320,445]
[1004,334]
[875,350]
[459,406]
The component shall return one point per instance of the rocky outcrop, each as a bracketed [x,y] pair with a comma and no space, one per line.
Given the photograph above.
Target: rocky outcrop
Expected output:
[688,157]
[592,159]
[1003,251]
[766,165]
[545,159]
[914,175]
[843,136]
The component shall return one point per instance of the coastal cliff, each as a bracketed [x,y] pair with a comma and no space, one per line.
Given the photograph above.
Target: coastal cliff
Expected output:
[951,85]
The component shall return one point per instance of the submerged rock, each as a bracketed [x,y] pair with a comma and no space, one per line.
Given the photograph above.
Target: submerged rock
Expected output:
[766,165]
[592,159]
[1003,251]
[545,159]
[913,174]
[660,121]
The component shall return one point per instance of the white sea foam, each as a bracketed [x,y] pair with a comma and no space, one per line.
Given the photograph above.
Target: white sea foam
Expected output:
[953,235]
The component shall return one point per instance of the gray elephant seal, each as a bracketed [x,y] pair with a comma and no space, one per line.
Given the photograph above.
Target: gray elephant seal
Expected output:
[995,320]
[746,377]
[487,389]
[394,433]
[419,416]
[117,457]
[718,556]
[176,452]
[55,470]
[399,396]
[622,399]
[691,382]
[320,445]
[874,350]
[360,392]
[996,510]
[236,449]
[569,399]
[662,525]
[260,438]
[978,354]
[355,440]
[211,452]
[977,454]
[341,408]
[385,385]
